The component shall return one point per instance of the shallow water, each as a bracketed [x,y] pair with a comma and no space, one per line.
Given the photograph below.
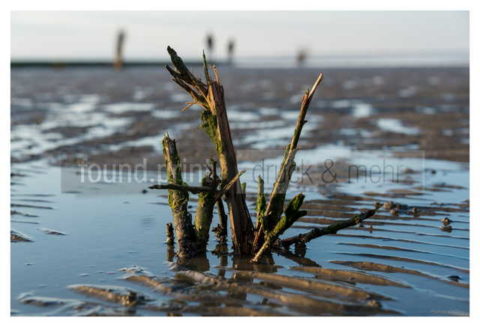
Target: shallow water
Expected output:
[112,234]
[107,228]
[394,125]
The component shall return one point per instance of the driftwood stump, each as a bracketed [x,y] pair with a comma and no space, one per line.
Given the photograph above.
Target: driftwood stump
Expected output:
[273,216]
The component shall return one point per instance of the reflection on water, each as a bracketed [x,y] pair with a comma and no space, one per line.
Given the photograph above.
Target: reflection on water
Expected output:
[106,233]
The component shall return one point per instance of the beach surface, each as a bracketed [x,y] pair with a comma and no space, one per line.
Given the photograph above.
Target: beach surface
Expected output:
[393,135]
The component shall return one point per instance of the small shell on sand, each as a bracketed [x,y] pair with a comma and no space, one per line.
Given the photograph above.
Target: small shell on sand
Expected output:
[388,205]
[446,221]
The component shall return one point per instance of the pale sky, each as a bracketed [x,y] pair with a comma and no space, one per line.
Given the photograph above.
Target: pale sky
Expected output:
[90,35]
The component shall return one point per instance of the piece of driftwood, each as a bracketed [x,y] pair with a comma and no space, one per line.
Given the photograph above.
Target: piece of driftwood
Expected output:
[331,229]
[273,216]
[183,188]
[292,214]
[221,229]
[192,238]
[261,203]
[170,240]
[178,201]
[275,205]
[210,96]
[204,212]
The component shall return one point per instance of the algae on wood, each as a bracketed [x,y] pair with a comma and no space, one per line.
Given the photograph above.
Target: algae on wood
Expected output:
[261,201]
[273,218]
[276,201]
[292,214]
[178,201]
[215,123]
[204,212]
[331,229]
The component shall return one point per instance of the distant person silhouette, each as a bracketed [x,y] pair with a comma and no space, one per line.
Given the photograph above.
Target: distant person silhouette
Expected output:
[231,50]
[301,57]
[118,63]
[210,44]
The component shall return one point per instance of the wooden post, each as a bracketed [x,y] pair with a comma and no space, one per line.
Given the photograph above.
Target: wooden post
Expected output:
[120,41]
[239,216]
[170,236]
[215,123]
[221,229]
[204,213]
[178,201]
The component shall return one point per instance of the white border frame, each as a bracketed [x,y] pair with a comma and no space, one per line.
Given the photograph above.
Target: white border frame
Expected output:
[8,6]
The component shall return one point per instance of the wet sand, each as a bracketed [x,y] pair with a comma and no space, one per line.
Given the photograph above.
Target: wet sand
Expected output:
[414,121]
[102,115]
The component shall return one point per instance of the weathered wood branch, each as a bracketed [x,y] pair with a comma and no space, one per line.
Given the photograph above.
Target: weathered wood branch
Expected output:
[261,202]
[240,221]
[229,185]
[210,187]
[204,213]
[272,216]
[276,201]
[215,123]
[184,188]
[183,77]
[331,229]
[170,239]
[178,201]
[221,229]
[292,214]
